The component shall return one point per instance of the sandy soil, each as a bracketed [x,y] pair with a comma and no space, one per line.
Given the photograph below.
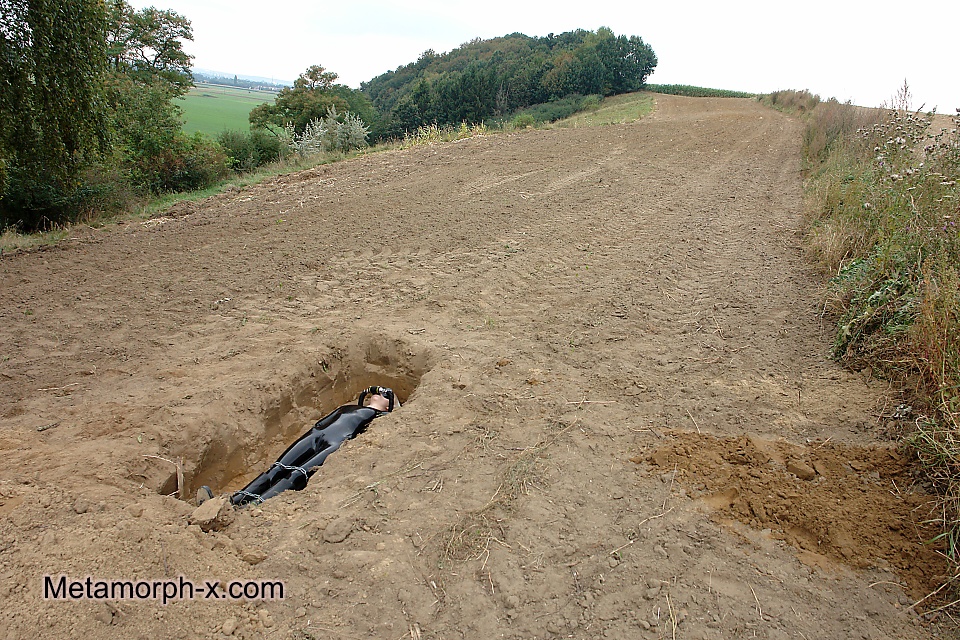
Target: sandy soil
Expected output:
[620,420]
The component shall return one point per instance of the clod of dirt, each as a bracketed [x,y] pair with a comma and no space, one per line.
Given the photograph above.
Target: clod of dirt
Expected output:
[801,470]
[229,626]
[104,615]
[81,506]
[265,618]
[214,514]
[338,530]
[253,556]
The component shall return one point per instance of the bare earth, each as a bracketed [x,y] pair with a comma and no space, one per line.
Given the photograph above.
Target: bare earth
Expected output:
[620,420]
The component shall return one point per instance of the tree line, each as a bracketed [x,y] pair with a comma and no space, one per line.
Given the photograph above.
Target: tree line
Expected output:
[484,79]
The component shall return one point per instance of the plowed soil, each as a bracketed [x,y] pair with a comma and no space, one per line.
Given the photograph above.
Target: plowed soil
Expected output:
[620,419]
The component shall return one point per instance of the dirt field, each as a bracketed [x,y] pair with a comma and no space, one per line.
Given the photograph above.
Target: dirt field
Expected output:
[619,417]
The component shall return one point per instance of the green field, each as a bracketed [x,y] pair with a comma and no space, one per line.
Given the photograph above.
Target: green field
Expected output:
[697,92]
[210,109]
[613,110]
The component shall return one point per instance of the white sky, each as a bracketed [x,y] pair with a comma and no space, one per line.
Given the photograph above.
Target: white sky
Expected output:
[859,50]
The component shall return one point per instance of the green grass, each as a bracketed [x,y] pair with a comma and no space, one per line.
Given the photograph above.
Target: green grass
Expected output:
[614,110]
[210,109]
[556,109]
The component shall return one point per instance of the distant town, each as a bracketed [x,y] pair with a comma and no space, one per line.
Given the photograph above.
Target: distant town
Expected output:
[244,82]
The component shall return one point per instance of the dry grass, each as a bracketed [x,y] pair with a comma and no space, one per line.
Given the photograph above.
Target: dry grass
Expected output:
[792,101]
[832,242]
[832,121]
[12,241]
[469,538]
[433,134]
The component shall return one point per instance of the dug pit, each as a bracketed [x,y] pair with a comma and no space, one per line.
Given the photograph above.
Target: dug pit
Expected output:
[227,454]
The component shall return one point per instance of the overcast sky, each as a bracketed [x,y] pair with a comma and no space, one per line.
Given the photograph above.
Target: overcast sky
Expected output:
[853,50]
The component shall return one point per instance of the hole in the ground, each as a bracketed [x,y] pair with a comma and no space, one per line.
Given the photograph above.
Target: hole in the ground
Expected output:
[228,458]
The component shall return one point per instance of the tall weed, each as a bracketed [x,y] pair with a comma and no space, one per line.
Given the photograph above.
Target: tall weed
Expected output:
[830,122]
[434,133]
[883,210]
[791,101]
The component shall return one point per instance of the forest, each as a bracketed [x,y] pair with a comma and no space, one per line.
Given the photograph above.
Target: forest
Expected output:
[484,79]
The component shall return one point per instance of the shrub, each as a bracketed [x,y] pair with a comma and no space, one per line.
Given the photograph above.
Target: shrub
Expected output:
[560,108]
[187,164]
[523,120]
[247,150]
[590,103]
[105,190]
[34,201]
[331,134]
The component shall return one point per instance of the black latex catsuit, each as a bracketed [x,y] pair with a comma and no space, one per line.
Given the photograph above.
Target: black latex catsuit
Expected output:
[301,459]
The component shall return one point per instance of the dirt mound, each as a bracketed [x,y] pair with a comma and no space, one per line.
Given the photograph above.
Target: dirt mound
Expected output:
[856,505]
[549,305]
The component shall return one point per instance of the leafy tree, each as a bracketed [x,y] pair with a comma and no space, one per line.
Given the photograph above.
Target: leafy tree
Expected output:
[51,110]
[148,70]
[87,107]
[313,94]
[628,63]
[315,78]
[298,107]
[148,44]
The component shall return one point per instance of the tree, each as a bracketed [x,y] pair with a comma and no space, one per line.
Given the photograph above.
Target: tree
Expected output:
[148,44]
[148,70]
[87,106]
[313,94]
[52,121]
[295,106]
[629,62]
[315,78]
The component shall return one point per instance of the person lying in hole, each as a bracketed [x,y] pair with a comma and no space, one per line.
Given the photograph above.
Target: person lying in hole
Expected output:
[298,463]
